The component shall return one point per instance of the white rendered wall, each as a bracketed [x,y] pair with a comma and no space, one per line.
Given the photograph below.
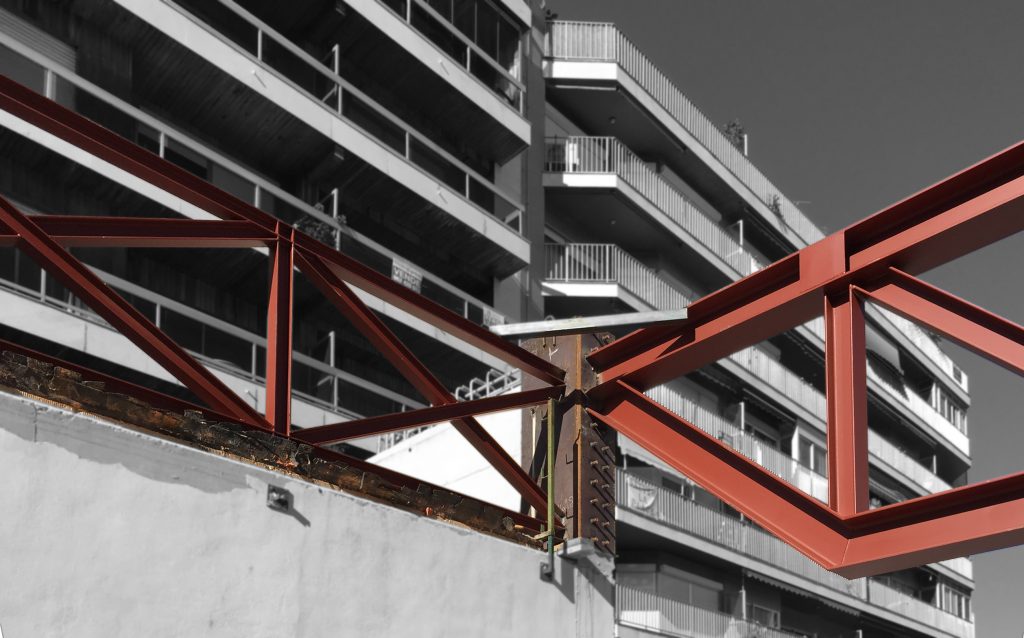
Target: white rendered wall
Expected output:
[111,532]
[442,456]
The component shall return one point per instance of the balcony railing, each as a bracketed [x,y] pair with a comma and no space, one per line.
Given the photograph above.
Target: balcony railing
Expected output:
[778,463]
[778,376]
[501,79]
[607,263]
[603,42]
[924,410]
[66,87]
[791,470]
[274,53]
[218,343]
[674,510]
[593,41]
[595,155]
[919,610]
[650,612]
[927,345]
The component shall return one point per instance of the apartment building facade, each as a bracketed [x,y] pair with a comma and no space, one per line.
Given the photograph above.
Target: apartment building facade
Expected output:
[508,168]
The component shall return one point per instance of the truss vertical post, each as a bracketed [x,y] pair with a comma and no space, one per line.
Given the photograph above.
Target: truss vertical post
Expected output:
[279,332]
[846,396]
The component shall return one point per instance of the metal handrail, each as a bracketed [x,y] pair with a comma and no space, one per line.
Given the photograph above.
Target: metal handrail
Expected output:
[470,46]
[667,617]
[163,304]
[263,31]
[778,463]
[579,40]
[574,40]
[636,494]
[260,184]
[611,264]
[590,155]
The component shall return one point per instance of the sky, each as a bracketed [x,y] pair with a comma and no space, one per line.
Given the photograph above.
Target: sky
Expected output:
[851,106]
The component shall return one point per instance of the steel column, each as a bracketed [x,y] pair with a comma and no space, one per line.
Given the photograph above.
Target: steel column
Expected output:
[279,332]
[846,393]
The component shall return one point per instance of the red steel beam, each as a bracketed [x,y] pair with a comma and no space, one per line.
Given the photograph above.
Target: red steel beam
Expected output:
[397,295]
[124,317]
[846,396]
[988,334]
[792,515]
[73,231]
[279,332]
[403,360]
[984,204]
[346,430]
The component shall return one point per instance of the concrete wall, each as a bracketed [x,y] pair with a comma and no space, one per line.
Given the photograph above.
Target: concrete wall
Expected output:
[442,456]
[111,532]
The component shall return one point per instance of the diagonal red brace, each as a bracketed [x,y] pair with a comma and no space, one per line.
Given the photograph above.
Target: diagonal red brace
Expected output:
[338,292]
[125,318]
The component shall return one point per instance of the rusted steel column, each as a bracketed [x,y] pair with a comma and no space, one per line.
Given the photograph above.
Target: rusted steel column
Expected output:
[584,461]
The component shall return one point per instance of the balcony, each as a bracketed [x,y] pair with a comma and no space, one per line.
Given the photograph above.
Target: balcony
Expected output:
[604,163]
[252,188]
[470,63]
[649,501]
[263,81]
[606,271]
[883,454]
[666,617]
[38,305]
[582,55]
[793,389]
[586,52]
[771,459]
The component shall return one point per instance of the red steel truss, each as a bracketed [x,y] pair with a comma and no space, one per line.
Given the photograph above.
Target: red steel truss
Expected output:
[877,259]
[47,240]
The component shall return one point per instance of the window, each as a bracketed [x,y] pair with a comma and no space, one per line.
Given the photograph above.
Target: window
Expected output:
[763,616]
[954,601]
[813,456]
[948,408]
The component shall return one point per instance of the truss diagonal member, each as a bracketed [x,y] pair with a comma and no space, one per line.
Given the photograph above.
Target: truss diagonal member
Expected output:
[346,430]
[787,512]
[977,329]
[846,395]
[365,278]
[124,317]
[399,355]
[110,147]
